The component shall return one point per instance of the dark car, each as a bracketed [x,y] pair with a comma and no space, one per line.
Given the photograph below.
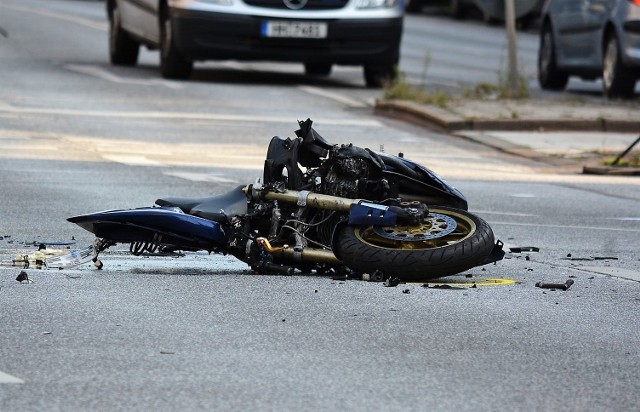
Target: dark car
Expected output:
[590,39]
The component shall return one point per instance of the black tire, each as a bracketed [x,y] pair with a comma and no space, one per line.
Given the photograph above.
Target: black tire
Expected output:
[458,9]
[123,50]
[173,64]
[618,81]
[549,76]
[414,6]
[317,69]
[376,76]
[364,249]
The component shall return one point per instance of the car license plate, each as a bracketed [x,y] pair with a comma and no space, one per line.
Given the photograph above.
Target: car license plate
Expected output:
[294,29]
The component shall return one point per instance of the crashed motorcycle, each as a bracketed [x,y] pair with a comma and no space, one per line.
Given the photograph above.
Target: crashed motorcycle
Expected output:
[319,208]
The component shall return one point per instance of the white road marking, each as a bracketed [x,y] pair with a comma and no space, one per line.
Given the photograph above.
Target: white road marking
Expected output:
[612,271]
[183,115]
[92,24]
[596,228]
[333,96]
[627,219]
[201,177]
[486,212]
[132,160]
[523,195]
[6,378]
[103,74]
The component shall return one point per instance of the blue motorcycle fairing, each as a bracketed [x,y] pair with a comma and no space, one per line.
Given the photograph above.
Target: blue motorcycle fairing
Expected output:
[162,225]
[367,213]
[419,180]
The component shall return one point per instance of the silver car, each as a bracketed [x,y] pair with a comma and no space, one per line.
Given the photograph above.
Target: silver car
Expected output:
[590,39]
[318,33]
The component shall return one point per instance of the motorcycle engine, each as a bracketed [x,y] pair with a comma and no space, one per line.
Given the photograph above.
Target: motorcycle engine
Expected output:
[353,172]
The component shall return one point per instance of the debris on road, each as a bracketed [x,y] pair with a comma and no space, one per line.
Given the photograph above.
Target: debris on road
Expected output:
[562,286]
[45,258]
[23,277]
[524,249]
[442,286]
[391,282]
[590,258]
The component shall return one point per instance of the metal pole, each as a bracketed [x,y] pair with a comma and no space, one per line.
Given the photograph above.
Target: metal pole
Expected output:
[510,20]
[625,152]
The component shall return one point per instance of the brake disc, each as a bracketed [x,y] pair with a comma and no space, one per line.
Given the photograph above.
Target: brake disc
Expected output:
[434,226]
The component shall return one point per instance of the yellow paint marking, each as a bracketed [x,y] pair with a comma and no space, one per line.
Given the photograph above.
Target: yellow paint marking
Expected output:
[470,283]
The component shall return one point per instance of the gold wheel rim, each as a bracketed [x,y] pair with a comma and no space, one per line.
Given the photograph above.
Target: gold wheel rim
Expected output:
[464,229]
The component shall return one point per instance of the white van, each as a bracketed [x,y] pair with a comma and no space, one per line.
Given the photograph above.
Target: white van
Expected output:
[317,33]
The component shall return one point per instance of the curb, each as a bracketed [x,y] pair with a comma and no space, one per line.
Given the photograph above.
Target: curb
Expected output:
[429,115]
[611,170]
[436,117]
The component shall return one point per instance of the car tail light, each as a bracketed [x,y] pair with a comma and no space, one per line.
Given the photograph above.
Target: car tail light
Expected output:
[636,2]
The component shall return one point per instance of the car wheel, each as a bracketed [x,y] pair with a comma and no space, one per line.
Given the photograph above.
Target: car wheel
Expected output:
[173,64]
[317,69]
[413,6]
[375,76]
[123,50]
[457,9]
[549,76]
[618,81]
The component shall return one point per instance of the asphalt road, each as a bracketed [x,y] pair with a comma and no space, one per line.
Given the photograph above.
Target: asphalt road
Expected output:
[200,332]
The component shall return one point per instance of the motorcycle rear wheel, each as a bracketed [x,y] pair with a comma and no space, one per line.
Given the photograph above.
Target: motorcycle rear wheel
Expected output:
[418,253]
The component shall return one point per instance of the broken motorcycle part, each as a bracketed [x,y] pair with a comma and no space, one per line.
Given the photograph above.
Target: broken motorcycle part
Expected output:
[562,286]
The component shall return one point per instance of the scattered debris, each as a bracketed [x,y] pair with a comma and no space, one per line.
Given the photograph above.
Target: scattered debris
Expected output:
[441,286]
[524,249]
[44,258]
[391,282]
[562,286]
[407,291]
[23,277]
[591,258]
[70,259]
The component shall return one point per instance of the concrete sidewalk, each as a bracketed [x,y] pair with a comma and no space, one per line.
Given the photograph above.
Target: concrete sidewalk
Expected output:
[541,129]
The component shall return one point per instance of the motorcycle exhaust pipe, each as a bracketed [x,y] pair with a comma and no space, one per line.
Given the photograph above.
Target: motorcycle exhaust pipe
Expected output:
[306,254]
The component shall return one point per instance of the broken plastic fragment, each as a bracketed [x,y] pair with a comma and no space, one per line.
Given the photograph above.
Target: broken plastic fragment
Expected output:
[23,277]
[561,286]
[392,282]
[524,249]
[71,259]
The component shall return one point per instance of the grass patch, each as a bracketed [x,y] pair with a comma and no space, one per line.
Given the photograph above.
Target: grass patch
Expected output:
[631,160]
[399,89]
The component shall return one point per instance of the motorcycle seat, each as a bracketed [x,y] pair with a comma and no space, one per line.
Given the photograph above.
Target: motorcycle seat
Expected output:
[218,208]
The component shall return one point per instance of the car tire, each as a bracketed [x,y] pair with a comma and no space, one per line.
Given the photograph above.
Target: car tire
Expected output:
[173,64]
[458,9]
[317,69]
[413,6]
[618,81]
[123,50]
[549,76]
[375,76]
